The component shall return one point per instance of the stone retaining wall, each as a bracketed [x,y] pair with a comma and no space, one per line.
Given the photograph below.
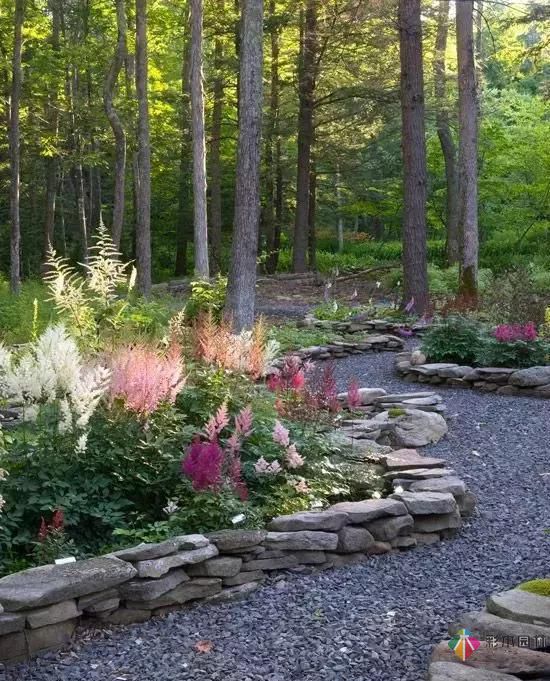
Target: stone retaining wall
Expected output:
[338,349]
[41,607]
[531,382]
[359,324]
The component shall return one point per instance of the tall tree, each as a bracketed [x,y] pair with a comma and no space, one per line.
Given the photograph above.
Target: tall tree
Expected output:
[199,142]
[143,195]
[306,94]
[444,132]
[467,149]
[242,274]
[215,224]
[415,268]
[117,127]
[15,147]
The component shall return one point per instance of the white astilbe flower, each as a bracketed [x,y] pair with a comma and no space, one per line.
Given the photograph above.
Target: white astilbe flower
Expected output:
[3,475]
[51,371]
[81,443]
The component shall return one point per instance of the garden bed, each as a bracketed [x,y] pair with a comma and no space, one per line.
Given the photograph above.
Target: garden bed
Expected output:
[41,607]
[530,382]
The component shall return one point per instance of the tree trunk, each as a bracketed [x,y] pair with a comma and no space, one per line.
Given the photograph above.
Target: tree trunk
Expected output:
[52,162]
[273,152]
[415,269]
[444,133]
[183,231]
[312,260]
[340,225]
[215,231]
[306,93]
[242,274]
[117,127]
[467,149]
[199,142]
[143,198]
[14,148]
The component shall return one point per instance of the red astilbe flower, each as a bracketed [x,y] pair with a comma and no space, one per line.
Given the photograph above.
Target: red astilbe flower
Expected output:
[354,396]
[511,333]
[145,377]
[56,525]
[326,392]
[203,465]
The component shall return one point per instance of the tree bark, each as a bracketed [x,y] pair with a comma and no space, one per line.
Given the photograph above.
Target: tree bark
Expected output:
[444,133]
[143,198]
[415,269]
[467,149]
[215,227]
[15,148]
[306,93]
[117,127]
[242,274]
[199,142]
[340,224]
[312,259]
[185,218]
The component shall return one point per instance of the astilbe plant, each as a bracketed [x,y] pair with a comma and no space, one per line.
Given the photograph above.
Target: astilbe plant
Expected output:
[51,374]
[145,376]
[52,540]
[249,352]
[213,464]
[511,333]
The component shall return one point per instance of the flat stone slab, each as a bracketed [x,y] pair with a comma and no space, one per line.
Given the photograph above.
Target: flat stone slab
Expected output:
[11,622]
[52,614]
[452,484]
[483,624]
[386,529]
[410,458]
[188,591]
[329,521]
[50,584]
[221,566]
[304,540]
[521,662]
[165,548]
[232,540]
[400,397]
[149,589]
[420,473]
[364,511]
[432,369]
[520,606]
[427,503]
[160,566]
[437,522]
[454,671]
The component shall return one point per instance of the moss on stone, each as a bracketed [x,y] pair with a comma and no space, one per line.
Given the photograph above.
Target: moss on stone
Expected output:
[541,587]
[395,413]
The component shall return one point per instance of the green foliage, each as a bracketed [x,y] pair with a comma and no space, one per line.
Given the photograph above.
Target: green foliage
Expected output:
[518,354]
[395,412]
[333,311]
[21,319]
[541,587]
[453,339]
[207,297]
[292,337]
[511,298]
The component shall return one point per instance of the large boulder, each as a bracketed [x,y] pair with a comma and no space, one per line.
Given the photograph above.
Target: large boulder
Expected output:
[528,378]
[483,624]
[354,540]
[50,584]
[412,427]
[520,606]
[455,671]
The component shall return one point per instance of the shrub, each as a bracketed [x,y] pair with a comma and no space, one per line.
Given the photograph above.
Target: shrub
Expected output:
[333,311]
[453,339]
[511,299]
[207,297]
[515,353]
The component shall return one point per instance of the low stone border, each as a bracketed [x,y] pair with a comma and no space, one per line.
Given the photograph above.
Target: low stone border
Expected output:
[41,607]
[359,324]
[339,349]
[514,635]
[531,382]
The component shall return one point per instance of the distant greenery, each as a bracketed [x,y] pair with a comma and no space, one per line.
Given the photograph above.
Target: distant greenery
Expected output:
[292,337]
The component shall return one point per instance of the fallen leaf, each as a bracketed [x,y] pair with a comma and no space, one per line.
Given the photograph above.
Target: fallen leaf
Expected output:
[204,646]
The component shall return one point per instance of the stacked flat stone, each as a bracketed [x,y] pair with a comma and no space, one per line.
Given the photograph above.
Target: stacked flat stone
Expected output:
[40,607]
[531,382]
[514,630]
[359,324]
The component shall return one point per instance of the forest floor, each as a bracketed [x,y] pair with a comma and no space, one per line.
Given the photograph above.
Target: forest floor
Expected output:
[369,622]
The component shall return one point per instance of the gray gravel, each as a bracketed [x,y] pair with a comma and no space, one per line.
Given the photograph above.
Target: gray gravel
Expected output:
[368,622]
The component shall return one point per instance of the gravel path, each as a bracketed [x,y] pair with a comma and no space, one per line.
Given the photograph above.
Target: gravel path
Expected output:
[367,622]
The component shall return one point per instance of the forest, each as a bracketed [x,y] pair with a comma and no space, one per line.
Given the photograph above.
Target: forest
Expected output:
[310,135]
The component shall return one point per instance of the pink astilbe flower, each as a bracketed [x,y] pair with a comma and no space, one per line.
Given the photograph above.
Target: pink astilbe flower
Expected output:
[326,393]
[145,377]
[203,465]
[263,467]
[354,396]
[293,459]
[511,333]
[301,486]
[243,422]
[236,477]
[280,434]
[217,423]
